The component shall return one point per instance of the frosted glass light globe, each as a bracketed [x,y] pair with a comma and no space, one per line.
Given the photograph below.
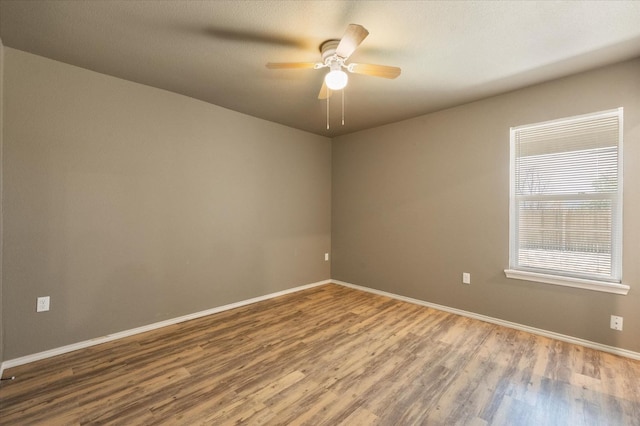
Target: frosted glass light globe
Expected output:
[336,79]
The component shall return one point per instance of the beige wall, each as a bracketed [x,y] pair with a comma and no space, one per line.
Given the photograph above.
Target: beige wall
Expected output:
[130,205]
[417,203]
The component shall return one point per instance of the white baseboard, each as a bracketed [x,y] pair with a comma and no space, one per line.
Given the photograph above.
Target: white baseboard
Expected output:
[569,339]
[110,337]
[87,343]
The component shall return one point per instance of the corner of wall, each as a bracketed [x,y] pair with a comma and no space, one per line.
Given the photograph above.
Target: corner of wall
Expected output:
[1,205]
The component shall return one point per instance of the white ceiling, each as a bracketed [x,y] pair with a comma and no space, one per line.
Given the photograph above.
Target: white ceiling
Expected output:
[450,52]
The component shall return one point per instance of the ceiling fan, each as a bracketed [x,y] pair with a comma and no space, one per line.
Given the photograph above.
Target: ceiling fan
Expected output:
[334,56]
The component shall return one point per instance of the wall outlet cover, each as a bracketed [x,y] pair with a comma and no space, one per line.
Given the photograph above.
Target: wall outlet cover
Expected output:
[616,322]
[42,304]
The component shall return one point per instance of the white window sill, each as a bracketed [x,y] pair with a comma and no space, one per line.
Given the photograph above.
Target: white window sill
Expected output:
[568,282]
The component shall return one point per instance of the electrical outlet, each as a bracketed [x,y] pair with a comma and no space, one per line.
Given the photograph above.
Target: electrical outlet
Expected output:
[42,305]
[466,278]
[616,322]
[326,256]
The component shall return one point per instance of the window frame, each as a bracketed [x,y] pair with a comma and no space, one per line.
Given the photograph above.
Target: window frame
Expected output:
[532,274]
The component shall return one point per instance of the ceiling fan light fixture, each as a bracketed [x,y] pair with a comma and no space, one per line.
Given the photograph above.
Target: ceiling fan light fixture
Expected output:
[336,79]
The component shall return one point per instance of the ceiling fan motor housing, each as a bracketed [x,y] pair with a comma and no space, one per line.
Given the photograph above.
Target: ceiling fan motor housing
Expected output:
[328,50]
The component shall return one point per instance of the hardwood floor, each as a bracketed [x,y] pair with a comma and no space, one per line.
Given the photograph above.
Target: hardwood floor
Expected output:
[328,355]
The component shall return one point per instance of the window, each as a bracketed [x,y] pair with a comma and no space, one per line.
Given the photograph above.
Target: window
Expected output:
[566,202]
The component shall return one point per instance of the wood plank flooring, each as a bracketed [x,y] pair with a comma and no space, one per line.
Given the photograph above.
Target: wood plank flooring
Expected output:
[329,355]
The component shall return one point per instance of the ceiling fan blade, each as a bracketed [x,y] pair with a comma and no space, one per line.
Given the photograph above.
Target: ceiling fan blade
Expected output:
[353,36]
[325,92]
[375,70]
[290,65]
[255,37]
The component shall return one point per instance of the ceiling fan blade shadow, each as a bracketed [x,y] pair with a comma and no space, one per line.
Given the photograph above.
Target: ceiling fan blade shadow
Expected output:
[325,92]
[353,36]
[375,70]
[254,37]
[290,65]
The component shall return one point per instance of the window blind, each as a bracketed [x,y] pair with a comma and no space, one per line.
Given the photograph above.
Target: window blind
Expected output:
[566,197]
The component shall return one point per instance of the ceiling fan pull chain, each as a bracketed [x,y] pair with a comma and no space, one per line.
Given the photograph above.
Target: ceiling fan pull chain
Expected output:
[343,107]
[327,108]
